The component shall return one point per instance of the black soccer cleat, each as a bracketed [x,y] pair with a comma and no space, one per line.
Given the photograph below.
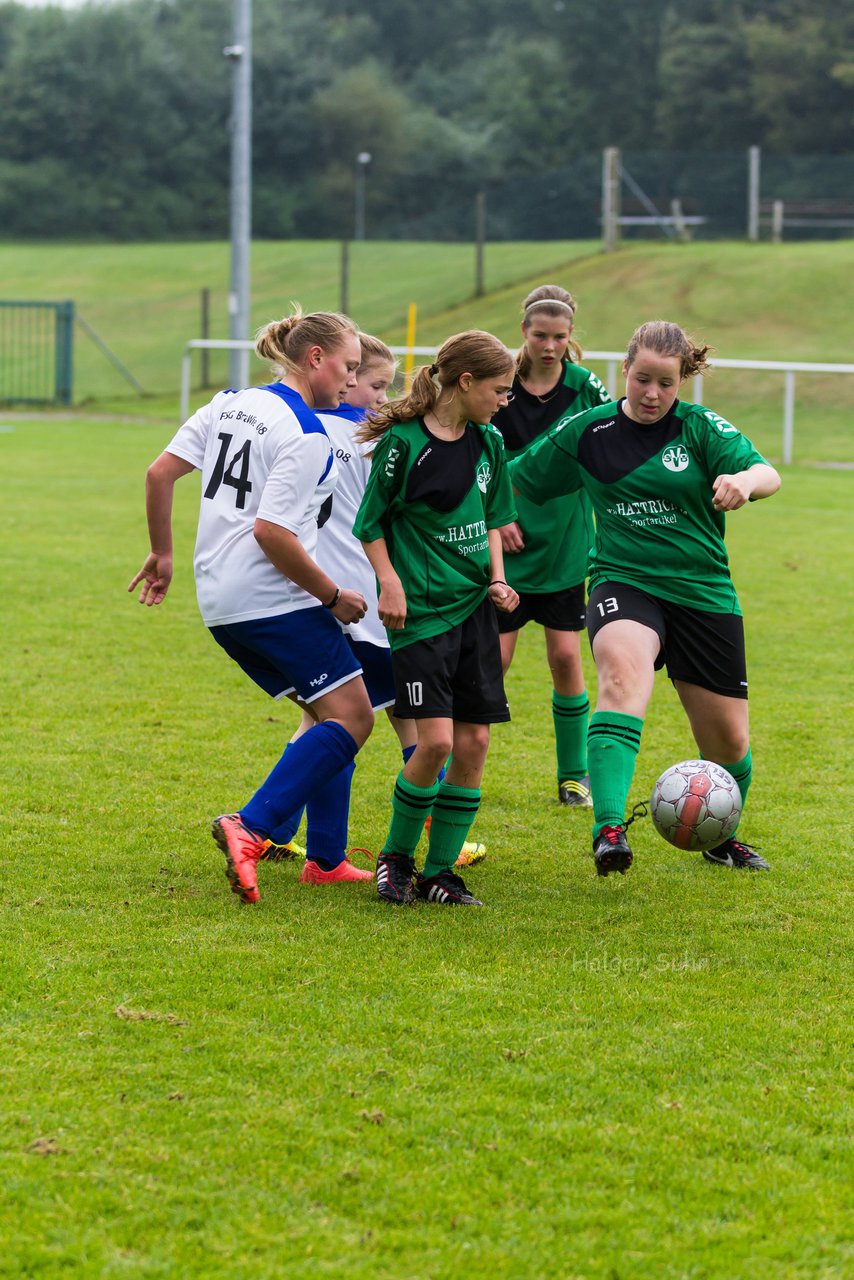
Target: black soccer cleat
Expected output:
[447,889]
[737,855]
[575,793]
[611,851]
[395,875]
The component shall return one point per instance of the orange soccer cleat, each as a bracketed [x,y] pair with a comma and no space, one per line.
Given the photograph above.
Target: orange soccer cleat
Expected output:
[242,848]
[344,873]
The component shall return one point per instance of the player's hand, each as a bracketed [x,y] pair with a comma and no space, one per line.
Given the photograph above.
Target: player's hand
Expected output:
[503,597]
[512,539]
[350,607]
[731,492]
[391,605]
[155,576]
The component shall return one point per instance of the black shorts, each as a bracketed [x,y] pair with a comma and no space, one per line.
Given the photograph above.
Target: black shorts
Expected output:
[699,647]
[455,675]
[558,610]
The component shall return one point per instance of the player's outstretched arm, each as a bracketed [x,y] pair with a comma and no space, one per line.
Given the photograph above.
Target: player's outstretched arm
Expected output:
[729,492]
[156,572]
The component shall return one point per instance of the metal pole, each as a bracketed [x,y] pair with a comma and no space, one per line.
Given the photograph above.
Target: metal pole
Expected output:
[345,277]
[64,352]
[610,198]
[480,237]
[409,364]
[679,225]
[240,56]
[753,155]
[788,415]
[185,384]
[363,159]
[206,333]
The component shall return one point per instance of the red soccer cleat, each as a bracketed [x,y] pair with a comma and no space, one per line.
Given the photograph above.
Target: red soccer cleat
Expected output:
[242,849]
[344,873]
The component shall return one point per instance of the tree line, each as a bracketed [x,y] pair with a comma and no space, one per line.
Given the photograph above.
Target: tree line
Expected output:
[114,119]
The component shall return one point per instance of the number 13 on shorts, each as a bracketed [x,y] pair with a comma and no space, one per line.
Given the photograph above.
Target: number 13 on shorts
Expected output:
[606,606]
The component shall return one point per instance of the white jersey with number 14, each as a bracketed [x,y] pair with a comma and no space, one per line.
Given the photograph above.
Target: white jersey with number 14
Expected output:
[262,454]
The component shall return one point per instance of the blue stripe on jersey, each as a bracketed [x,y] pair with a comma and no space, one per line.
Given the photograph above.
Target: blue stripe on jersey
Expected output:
[346,411]
[306,417]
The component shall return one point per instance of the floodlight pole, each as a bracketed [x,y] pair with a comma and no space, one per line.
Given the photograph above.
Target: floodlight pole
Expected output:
[363,159]
[240,56]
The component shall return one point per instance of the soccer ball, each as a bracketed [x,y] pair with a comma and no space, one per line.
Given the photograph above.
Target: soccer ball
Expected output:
[695,805]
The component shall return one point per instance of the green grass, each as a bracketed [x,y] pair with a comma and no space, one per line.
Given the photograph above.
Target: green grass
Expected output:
[633,1077]
[771,302]
[144,299]
[761,302]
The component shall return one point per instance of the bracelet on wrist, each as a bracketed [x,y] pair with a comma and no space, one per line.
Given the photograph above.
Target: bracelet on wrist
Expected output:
[498,582]
[332,603]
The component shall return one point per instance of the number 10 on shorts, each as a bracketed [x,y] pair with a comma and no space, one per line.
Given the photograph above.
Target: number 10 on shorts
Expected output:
[415,692]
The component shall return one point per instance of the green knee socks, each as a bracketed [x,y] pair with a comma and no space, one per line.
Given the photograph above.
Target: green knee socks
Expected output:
[613,742]
[454,811]
[570,721]
[410,808]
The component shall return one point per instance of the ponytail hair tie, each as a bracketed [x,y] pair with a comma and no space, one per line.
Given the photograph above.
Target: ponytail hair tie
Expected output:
[434,369]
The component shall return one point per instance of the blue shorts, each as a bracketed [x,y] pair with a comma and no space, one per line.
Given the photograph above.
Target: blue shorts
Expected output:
[375,661]
[304,652]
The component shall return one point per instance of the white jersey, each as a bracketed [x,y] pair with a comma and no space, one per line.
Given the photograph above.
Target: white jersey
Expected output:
[263,454]
[339,552]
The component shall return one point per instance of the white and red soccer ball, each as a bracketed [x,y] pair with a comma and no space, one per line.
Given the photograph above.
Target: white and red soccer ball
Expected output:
[695,805]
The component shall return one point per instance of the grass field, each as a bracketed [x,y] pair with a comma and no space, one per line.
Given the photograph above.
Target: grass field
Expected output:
[763,301]
[612,1079]
[144,299]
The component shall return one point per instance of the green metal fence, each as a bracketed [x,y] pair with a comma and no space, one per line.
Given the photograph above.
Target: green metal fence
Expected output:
[36,352]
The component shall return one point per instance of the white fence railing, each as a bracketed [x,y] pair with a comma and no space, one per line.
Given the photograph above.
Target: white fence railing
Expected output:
[613,362]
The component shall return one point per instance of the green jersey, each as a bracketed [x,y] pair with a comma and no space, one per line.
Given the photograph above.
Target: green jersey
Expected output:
[433,501]
[559,532]
[651,490]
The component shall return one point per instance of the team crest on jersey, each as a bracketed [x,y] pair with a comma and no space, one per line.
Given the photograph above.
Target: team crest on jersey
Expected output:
[483,476]
[675,458]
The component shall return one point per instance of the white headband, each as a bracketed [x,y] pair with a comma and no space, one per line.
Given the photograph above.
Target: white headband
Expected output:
[549,302]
